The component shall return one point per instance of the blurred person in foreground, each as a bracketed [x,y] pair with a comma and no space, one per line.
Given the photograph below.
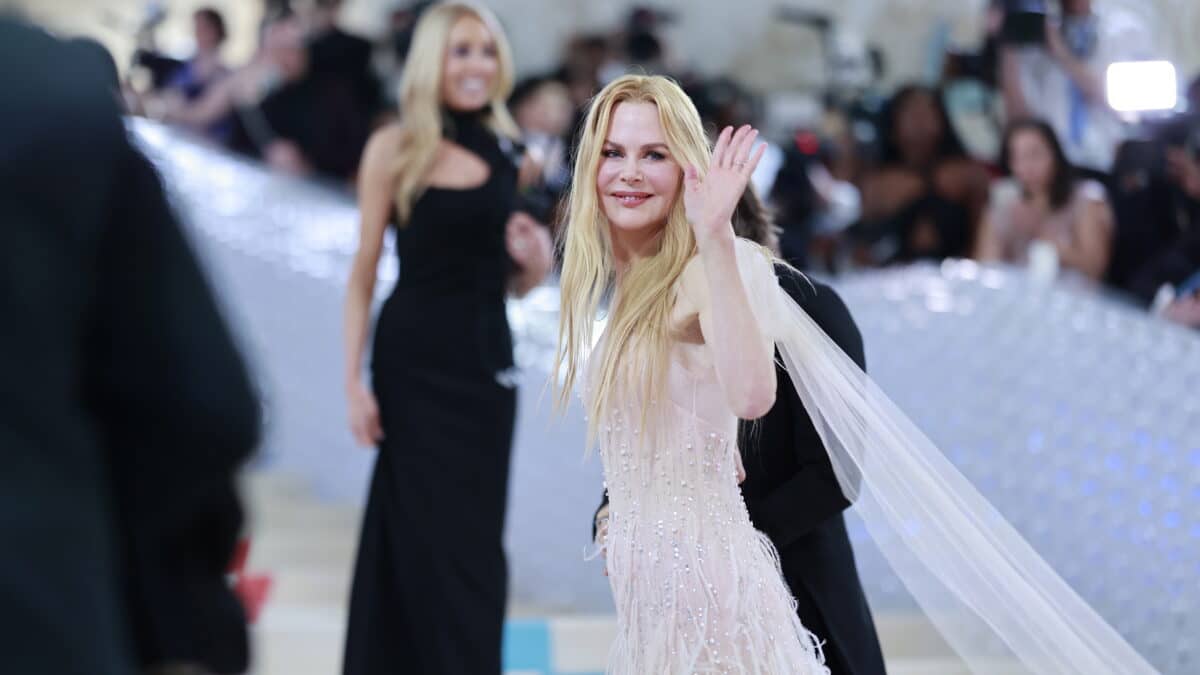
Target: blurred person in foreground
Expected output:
[125,409]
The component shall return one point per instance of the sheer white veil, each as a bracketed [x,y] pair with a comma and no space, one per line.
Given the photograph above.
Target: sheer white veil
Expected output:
[991,596]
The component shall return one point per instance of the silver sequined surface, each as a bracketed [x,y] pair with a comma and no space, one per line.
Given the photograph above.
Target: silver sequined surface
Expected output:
[1077,417]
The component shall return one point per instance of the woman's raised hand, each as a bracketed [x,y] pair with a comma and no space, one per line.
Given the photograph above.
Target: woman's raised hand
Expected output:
[711,200]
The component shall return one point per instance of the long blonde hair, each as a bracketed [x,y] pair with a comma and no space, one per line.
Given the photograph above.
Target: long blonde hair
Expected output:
[643,300]
[421,96]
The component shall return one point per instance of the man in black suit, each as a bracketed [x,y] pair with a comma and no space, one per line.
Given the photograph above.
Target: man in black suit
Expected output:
[125,408]
[794,498]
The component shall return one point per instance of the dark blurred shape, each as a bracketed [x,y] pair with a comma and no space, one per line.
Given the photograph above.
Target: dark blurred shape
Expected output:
[339,55]
[924,198]
[160,66]
[307,121]
[125,408]
[526,89]
[819,21]
[98,56]
[897,146]
[1024,23]
[795,197]
[213,18]
[643,46]
[752,220]
[403,23]
[643,18]
[982,63]
[723,102]
[1157,207]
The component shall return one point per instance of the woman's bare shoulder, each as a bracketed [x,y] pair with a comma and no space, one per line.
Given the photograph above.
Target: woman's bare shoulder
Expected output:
[379,157]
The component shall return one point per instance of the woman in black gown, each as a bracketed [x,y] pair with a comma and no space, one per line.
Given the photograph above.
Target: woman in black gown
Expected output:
[430,581]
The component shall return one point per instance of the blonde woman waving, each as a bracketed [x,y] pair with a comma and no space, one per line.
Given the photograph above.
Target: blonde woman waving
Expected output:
[695,317]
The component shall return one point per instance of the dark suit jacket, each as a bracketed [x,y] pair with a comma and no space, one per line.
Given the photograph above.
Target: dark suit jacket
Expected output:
[794,498]
[124,406]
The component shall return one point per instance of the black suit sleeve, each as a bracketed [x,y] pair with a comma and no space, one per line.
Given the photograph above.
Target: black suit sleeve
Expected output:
[179,415]
[812,495]
[596,515]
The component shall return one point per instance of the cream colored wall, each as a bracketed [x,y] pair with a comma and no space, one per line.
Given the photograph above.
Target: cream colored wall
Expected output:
[737,37]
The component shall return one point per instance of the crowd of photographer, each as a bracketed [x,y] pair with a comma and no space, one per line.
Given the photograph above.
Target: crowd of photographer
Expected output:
[1098,200]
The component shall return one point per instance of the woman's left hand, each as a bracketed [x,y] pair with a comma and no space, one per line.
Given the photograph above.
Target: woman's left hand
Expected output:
[711,200]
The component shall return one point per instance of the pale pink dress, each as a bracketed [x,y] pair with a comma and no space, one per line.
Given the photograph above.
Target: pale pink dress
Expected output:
[697,588]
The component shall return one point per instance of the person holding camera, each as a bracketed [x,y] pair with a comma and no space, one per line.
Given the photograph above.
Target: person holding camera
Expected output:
[1054,68]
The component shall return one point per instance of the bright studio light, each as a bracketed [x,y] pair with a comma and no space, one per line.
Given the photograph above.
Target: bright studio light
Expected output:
[1139,86]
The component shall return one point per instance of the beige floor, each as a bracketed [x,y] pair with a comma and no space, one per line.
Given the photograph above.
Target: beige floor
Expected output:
[308,546]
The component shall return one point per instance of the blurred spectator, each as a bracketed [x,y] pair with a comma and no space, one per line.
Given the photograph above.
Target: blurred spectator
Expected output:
[335,53]
[1060,77]
[401,23]
[984,63]
[1044,201]
[391,53]
[127,409]
[1156,189]
[811,206]
[205,66]
[926,196]
[544,112]
[639,46]
[1176,263]
[191,79]
[306,122]
[723,102]
[216,105]
[583,57]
